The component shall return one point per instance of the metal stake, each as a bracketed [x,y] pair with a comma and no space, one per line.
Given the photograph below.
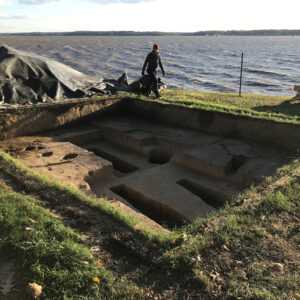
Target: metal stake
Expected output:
[241,75]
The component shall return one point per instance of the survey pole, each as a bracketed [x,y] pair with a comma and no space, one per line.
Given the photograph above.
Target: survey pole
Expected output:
[241,75]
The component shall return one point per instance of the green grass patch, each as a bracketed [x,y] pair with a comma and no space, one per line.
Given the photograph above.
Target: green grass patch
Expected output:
[258,106]
[52,255]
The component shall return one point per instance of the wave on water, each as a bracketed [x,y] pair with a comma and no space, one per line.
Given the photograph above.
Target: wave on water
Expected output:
[266,72]
[175,65]
[72,50]
[233,67]
[228,75]
[217,86]
[196,80]
[261,84]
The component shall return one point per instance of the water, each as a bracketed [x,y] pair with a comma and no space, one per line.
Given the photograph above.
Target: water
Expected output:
[271,64]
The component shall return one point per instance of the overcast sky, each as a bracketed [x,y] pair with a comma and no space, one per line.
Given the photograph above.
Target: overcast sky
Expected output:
[148,15]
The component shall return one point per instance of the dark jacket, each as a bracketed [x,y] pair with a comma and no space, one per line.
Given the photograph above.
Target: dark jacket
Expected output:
[153,60]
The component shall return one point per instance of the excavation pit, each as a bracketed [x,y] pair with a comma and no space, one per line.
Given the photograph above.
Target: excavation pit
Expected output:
[160,167]
[29,148]
[70,156]
[47,154]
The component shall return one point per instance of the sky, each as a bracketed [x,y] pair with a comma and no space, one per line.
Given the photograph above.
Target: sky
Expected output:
[147,15]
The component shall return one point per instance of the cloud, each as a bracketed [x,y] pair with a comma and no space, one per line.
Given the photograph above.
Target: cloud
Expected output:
[14,17]
[37,1]
[119,1]
[5,2]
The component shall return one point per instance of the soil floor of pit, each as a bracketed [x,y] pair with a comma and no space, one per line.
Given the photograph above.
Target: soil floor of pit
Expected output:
[164,176]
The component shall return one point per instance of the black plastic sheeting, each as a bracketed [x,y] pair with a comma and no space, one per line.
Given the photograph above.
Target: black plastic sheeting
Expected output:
[27,78]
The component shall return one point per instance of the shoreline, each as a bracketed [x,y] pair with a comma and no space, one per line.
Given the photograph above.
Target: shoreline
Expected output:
[217,33]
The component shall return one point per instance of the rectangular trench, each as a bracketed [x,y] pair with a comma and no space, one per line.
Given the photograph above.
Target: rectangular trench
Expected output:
[210,197]
[161,214]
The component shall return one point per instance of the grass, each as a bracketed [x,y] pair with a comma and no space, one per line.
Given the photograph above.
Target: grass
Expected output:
[259,106]
[52,255]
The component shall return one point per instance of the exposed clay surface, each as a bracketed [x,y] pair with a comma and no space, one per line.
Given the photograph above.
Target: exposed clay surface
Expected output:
[161,174]
[61,160]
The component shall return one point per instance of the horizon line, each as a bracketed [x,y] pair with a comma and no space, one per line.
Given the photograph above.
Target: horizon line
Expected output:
[156,31]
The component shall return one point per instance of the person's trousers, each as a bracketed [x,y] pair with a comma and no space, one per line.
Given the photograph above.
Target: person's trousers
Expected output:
[153,82]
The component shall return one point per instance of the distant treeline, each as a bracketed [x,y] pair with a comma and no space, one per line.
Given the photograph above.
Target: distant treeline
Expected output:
[271,32]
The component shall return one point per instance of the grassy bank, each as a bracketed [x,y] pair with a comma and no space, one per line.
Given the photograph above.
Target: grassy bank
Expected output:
[277,108]
[52,255]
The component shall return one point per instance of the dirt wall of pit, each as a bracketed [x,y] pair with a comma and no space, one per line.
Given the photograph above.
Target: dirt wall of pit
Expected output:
[29,120]
[36,119]
[282,135]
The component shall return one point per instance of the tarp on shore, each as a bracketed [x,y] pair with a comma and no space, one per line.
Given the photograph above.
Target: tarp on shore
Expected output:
[27,78]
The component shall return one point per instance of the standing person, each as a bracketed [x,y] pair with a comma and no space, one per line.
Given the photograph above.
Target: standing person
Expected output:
[152,62]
